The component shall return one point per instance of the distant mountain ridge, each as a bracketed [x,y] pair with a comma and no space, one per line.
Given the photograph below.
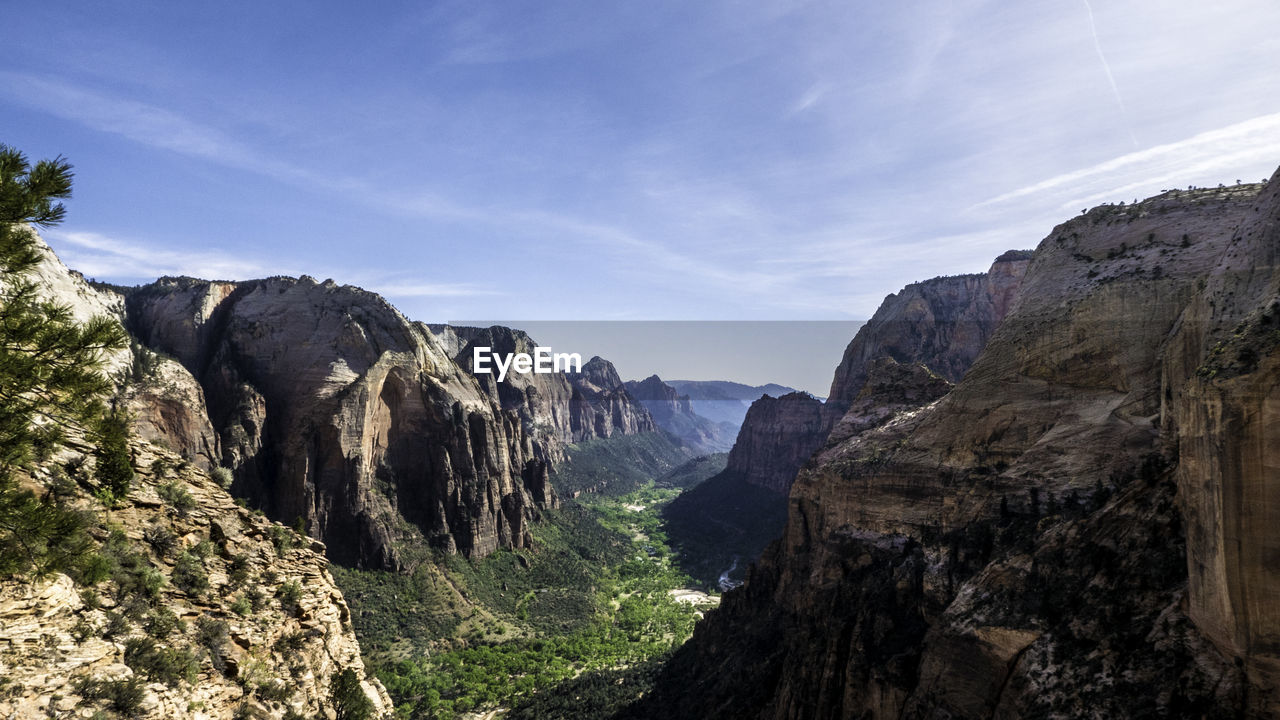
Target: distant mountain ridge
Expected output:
[674,413]
[724,400]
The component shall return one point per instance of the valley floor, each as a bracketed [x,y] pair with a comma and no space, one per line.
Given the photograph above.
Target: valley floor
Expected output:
[576,627]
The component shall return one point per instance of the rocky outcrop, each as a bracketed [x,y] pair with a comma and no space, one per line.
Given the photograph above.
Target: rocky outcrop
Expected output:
[1222,404]
[674,413]
[167,408]
[568,407]
[333,408]
[942,324]
[601,405]
[776,437]
[1015,547]
[197,607]
[244,610]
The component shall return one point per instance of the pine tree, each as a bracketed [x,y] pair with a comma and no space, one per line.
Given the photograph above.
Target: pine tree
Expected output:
[349,700]
[51,377]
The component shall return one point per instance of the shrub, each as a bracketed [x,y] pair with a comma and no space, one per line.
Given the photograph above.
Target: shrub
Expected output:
[241,606]
[162,623]
[202,549]
[290,643]
[166,665]
[289,595]
[189,575]
[274,691]
[178,496]
[93,569]
[82,630]
[281,538]
[222,476]
[238,570]
[116,626]
[124,696]
[159,467]
[213,635]
[161,539]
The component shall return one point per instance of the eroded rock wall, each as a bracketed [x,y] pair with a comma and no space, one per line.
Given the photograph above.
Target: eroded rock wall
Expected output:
[1015,547]
[335,409]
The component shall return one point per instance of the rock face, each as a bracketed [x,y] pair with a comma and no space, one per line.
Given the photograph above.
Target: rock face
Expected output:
[601,405]
[674,413]
[168,409]
[1015,547]
[210,610]
[1222,379]
[333,408]
[776,437]
[565,407]
[940,324]
[330,406]
[280,654]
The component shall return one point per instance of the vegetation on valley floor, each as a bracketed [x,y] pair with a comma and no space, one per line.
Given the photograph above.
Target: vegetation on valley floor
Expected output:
[583,619]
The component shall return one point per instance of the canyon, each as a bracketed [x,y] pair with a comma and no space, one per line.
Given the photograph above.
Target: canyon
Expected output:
[1041,491]
[1051,509]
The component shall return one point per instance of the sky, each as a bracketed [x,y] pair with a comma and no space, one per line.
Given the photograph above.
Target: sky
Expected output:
[549,160]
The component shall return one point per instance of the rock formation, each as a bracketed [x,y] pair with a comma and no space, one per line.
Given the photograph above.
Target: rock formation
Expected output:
[565,407]
[208,610]
[674,413]
[776,437]
[941,324]
[1015,547]
[333,408]
[601,405]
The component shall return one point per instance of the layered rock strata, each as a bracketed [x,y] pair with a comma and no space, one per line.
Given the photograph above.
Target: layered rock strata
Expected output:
[1016,547]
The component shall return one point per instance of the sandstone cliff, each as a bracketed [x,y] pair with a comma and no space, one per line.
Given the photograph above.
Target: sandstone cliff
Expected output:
[246,605]
[775,439]
[197,608]
[332,407]
[558,407]
[1222,404]
[1015,547]
[941,324]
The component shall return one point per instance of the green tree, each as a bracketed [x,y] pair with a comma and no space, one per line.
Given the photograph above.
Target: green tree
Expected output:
[349,700]
[115,466]
[51,377]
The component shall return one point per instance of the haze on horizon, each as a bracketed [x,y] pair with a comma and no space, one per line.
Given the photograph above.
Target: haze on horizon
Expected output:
[675,161]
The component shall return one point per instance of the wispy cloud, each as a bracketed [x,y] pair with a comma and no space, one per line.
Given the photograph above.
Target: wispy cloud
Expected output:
[418,290]
[1254,142]
[1111,78]
[100,256]
[164,129]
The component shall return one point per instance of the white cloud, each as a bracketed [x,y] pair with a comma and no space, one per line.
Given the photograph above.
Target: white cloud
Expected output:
[100,256]
[1253,144]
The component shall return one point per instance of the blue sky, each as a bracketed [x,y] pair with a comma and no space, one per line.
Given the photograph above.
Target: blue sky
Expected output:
[595,160]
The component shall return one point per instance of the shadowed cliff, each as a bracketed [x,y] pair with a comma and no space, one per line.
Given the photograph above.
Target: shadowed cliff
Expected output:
[1016,546]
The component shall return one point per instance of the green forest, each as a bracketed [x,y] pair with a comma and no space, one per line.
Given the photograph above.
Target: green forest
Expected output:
[574,627]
